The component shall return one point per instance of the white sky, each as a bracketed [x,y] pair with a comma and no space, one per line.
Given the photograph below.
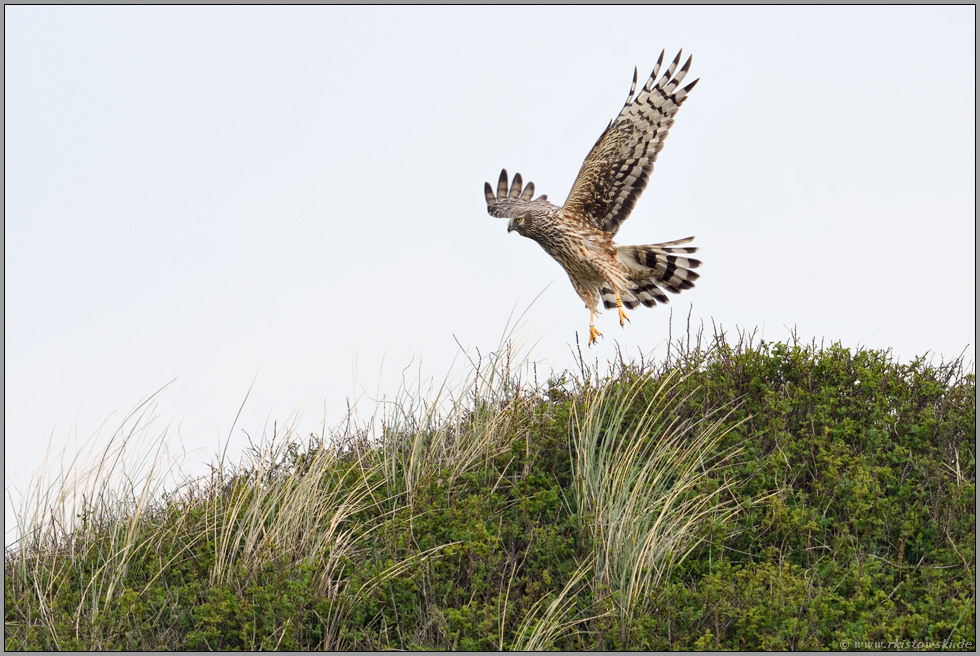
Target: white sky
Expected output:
[295,195]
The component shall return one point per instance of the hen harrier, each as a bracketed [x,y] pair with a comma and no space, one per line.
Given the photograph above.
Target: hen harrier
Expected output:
[580,233]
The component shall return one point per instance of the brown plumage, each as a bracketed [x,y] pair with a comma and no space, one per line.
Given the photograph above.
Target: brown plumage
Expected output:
[615,172]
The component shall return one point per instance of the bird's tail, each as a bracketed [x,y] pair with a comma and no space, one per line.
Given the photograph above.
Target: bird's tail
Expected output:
[654,268]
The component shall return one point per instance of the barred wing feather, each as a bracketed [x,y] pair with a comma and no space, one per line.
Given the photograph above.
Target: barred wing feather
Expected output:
[507,204]
[618,168]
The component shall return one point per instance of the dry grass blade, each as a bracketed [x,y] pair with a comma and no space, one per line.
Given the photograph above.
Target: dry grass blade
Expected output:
[293,514]
[637,473]
[450,429]
[93,516]
[543,626]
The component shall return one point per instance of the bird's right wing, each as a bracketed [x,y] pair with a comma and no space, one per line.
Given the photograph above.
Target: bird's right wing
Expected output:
[505,205]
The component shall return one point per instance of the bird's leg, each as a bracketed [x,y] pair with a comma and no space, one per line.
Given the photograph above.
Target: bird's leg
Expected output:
[593,333]
[622,315]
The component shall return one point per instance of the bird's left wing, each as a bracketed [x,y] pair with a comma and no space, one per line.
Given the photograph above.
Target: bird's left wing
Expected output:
[505,205]
[618,168]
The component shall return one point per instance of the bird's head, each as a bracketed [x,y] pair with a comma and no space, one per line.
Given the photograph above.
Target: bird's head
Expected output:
[526,223]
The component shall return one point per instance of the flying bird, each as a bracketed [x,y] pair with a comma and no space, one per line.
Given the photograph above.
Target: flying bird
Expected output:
[579,234]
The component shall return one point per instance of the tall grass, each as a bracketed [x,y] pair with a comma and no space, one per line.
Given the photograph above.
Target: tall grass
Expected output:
[451,428]
[638,470]
[279,505]
[318,508]
[548,620]
[86,520]
[446,429]
[285,503]
[343,509]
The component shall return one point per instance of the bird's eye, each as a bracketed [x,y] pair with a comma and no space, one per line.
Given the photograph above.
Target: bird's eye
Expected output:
[520,219]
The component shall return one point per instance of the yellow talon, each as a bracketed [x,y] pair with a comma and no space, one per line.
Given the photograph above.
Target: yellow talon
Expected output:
[593,333]
[622,315]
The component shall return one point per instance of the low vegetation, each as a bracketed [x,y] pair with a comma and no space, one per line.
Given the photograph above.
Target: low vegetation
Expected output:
[750,496]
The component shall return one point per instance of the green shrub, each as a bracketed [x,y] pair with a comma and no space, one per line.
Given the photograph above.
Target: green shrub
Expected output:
[819,495]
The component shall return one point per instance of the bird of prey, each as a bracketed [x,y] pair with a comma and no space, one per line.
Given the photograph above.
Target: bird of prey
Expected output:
[579,234]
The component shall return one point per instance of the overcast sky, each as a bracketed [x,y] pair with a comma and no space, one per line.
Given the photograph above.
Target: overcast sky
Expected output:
[295,195]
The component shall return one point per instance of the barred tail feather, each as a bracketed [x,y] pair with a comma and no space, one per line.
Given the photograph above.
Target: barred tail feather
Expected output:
[654,268]
[646,293]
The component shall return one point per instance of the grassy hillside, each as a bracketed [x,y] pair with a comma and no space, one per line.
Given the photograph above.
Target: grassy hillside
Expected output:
[762,496]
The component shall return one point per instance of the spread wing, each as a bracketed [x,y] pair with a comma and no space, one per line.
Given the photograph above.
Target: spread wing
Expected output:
[618,168]
[509,204]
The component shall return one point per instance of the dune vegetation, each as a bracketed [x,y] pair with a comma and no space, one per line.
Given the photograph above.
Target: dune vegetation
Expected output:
[755,495]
